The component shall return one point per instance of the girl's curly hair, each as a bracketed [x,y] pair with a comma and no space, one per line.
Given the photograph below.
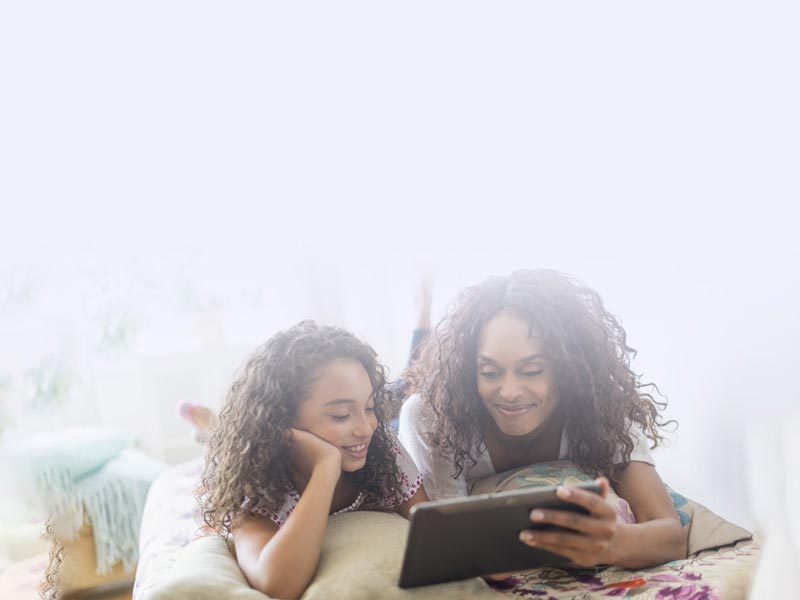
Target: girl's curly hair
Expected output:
[600,395]
[248,456]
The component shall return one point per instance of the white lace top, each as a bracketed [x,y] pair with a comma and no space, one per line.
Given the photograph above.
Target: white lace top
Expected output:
[410,484]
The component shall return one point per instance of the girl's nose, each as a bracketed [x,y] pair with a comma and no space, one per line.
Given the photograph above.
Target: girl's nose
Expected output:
[362,426]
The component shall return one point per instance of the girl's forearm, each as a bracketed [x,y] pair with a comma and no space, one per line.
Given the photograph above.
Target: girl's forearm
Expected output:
[655,542]
[288,561]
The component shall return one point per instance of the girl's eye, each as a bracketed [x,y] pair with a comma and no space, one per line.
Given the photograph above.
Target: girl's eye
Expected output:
[370,409]
[490,374]
[339,418]
[531,373]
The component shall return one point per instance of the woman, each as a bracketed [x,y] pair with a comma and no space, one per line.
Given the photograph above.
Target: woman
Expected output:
[532,368]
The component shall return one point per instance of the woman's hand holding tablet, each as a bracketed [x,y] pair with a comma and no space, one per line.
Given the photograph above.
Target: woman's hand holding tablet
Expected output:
[477,535]
[592,542]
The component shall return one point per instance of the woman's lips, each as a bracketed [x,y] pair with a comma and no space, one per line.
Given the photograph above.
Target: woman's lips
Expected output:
[514,410]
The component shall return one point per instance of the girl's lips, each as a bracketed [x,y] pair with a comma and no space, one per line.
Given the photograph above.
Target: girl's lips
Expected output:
[357,451]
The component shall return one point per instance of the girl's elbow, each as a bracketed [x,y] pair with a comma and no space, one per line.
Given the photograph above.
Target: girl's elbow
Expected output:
[276,588]
[273,579]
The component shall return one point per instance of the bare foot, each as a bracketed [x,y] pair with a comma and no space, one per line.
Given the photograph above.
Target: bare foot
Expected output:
[200,417]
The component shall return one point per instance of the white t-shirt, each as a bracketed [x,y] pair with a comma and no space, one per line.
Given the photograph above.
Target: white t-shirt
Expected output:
[417,419]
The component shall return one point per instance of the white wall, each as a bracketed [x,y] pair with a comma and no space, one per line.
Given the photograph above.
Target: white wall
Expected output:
[318,152]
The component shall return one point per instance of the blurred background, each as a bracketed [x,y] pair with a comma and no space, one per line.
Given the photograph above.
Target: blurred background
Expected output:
[178,181]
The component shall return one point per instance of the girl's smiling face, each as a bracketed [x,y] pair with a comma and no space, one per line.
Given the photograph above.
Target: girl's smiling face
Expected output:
[515,380]
[340,409]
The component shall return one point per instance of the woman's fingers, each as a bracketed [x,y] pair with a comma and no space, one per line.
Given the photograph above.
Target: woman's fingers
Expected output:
[579,557]
[497,576]
[564,539]
[594,503]
[573,541]
[585,539]
[580,549]
[590,525]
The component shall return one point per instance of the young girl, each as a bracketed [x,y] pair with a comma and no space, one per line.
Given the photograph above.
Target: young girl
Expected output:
[302,436]
[532,368]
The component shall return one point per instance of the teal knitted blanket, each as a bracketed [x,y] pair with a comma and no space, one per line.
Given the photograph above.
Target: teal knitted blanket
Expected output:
[111,496]
[112,500]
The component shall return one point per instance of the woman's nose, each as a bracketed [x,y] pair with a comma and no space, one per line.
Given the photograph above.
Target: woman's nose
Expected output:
[510,389]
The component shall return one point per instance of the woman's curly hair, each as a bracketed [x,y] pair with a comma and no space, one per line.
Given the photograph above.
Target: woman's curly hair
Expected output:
[600,395]
[248,457]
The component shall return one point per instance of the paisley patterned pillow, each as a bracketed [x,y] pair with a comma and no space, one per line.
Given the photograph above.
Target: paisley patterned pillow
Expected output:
[704,529]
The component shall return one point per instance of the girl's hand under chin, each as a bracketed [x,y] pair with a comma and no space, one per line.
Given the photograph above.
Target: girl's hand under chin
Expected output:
[592,541]
[309,451]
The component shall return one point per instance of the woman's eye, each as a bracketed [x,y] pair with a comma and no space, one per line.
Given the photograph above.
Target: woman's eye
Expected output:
[370,409]
[490,374]
[339,418]
[531,373]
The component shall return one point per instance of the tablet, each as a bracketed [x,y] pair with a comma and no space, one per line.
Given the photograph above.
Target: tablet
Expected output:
[479,535]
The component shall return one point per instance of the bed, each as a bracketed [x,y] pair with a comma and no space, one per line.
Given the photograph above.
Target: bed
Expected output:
[170,524]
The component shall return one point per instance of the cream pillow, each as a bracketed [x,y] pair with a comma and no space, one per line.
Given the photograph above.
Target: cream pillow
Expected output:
[704,529]
[204,570]
[361,559]
[362,554]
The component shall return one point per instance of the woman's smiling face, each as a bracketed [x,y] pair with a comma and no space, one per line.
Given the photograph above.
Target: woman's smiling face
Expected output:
[515,380]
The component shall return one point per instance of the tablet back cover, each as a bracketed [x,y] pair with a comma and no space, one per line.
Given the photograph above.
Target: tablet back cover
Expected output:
[459,539]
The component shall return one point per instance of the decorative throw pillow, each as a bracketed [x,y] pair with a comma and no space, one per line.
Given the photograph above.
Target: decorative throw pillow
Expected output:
[45,468]
[560,472]
[63,457]
[361,558]
[704,530]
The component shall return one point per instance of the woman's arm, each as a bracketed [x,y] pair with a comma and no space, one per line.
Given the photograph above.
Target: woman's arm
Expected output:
[280,562]
[656,538]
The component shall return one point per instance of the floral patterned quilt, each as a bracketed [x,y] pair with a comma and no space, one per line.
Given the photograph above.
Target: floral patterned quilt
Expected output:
[711,575]
[170,521]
